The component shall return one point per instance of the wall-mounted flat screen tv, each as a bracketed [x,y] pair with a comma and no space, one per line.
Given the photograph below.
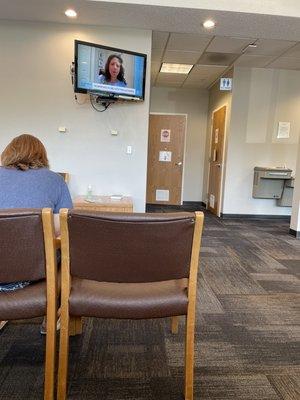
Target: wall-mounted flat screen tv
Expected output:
[109,72]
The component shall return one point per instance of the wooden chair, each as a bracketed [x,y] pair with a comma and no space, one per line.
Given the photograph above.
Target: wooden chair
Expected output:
[65,175]
[129,266]
[28,252]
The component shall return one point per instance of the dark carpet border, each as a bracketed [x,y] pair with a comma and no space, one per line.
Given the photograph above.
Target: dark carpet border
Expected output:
[255,216]
[295,233]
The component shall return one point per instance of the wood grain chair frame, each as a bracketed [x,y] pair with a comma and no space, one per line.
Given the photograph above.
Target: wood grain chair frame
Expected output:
[51,246]
[65,175]
[35,252]
[181,288]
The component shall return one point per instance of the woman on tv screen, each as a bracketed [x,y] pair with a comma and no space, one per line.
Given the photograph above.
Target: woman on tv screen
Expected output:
[114,72]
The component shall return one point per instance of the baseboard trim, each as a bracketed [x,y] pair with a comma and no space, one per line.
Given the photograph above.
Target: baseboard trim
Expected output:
[294,233]
[194,203]
[185,206]
[255,216]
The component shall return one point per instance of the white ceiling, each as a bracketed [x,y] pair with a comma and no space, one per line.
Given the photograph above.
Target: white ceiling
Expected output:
[213,55]
[161,18]
[179,35]
[270,7]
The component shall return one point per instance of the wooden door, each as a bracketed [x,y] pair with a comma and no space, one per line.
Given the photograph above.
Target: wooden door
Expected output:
[216,161]
[165,158]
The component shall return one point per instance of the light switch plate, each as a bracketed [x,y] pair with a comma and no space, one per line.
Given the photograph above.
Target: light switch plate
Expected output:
[129,150]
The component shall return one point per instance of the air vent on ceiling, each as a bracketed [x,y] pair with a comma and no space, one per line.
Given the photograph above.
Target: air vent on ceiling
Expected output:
[208,58]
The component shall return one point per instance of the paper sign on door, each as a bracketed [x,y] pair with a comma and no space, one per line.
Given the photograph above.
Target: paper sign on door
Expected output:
[162,195]
[165,135]
[212,201]
[165,156]
[216,135]
[215,155]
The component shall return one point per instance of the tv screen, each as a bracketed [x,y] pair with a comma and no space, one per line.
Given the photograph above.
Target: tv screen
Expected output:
[109,72]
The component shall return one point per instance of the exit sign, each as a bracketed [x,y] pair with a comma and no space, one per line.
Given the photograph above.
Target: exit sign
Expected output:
[225,83]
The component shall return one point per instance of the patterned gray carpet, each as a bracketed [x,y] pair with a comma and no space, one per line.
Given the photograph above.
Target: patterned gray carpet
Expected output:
[247,339]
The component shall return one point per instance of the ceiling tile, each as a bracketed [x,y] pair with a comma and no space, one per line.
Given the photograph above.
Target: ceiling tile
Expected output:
[181,57]
[155,67]
[228,44]
[217,58]
[246,60]
[188,42]
[269,47]
[201,84]
[159,39]
[286,63]
[203,71]
[164,77]
[206,72]
[152,79]
[293,52]
[156,54]
[168,84]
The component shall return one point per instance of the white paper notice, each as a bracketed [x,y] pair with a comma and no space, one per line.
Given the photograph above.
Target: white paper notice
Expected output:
[162,195]
[212,201]
[216,135]
[214,155]
[165,156]
[283,131]
[165,135]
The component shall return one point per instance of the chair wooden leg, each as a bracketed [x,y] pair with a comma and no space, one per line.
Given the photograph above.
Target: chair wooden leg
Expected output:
[72,326]
[189,357]
[78,325]
[50,356]
[75,327]
[63,356]
[174,325]
[2,324]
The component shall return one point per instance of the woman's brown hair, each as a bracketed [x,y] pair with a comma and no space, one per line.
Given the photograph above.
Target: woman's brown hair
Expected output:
[25,152]
[120,76]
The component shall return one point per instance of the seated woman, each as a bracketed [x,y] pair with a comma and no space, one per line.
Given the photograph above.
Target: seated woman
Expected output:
[27,182]
[114,72]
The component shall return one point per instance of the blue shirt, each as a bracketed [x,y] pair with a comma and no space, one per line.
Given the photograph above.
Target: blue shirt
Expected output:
[102,79]
[34,188]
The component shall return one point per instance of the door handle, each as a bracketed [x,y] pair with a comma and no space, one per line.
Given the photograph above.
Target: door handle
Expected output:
[178,163]
[218,165]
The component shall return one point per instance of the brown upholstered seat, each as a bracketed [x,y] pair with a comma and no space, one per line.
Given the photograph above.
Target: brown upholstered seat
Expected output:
[129,266]
[29,302]
[128,300]
[27,253]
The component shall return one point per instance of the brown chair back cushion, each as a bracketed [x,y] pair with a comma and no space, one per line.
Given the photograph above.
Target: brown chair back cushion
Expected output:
[114,247]
[22,255]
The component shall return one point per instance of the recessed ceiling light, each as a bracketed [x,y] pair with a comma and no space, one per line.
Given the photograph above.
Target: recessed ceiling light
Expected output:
[209,23]
[176,68]
[71,13]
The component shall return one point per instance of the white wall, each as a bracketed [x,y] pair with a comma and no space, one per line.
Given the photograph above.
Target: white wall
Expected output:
[261,99]
[194,103]
[37,97]
[295,217]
